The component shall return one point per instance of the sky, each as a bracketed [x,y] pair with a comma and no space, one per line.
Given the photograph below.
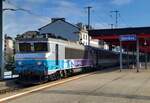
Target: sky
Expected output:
[132,13]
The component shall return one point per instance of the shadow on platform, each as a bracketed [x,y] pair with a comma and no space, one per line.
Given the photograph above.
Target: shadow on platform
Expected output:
[116,95]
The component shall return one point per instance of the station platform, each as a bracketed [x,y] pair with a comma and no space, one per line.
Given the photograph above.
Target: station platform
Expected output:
[105,86]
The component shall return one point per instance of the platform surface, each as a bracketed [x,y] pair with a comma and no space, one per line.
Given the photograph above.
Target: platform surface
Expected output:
[109,86]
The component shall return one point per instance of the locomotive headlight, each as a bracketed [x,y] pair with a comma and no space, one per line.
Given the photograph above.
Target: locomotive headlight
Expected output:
[39,63]
[19,63]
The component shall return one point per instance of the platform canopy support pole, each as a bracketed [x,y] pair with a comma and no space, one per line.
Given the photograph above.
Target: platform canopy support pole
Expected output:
[120,56]
[1,45]
[133,59]
[128,58]
[145,60]
[137,55]
[145,44]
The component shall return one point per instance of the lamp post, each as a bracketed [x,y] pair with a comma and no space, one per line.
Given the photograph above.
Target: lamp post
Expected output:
[137,55]
[1,44]
[121,64]
[2,62]
[145,44]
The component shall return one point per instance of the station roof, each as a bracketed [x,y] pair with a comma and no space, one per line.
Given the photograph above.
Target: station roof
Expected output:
[112,36]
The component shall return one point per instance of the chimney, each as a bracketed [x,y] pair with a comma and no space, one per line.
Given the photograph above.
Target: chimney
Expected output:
[80,25]
[55,19]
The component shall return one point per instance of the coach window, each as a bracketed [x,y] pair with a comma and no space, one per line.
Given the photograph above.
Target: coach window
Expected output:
[24,47]
[40,47]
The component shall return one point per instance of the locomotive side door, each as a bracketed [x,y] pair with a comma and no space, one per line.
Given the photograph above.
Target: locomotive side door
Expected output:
[57,54]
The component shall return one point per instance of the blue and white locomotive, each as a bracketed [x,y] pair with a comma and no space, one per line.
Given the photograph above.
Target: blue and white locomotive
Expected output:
[47,58]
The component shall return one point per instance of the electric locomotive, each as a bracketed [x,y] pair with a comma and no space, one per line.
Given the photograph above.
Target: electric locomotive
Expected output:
[39,59]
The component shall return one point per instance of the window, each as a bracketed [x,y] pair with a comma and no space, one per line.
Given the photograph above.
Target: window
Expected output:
[85,37]
[40,47]
[24,47]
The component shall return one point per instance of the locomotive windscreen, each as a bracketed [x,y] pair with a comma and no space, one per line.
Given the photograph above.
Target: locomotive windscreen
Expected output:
[40,47]
[24,47]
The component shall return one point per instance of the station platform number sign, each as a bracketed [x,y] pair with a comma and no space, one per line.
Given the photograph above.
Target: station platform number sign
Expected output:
[128,37]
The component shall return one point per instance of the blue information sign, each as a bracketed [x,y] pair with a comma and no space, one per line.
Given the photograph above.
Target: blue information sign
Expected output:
[128,38]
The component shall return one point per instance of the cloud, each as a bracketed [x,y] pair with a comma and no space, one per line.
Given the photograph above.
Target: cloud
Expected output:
[17,22]
[37,1]
[7,5]
[121,2]
[74,11]
[101,25]
[66,8]
[14,24]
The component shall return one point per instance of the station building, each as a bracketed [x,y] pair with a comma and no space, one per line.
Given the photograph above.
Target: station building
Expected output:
[60,28]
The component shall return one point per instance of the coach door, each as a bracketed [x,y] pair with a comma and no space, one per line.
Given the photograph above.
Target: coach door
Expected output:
[57,55]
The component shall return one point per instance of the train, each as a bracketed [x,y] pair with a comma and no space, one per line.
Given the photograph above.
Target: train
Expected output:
[43,59]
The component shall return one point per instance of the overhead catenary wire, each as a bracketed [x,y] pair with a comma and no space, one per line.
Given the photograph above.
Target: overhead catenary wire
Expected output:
[18,8]
[100,21]
[122,20]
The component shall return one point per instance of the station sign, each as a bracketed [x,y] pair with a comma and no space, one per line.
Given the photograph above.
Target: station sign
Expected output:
[128,37]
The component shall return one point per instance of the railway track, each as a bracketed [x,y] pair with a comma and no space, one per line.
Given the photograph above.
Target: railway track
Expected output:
[7,90]
[10,86]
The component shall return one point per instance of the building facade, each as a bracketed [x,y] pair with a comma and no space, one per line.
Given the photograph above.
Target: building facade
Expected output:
[28,34]
[9,50]
[59,27]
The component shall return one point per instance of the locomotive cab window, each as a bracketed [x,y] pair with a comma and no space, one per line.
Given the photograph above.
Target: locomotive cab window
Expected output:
[24,47]
[40,47]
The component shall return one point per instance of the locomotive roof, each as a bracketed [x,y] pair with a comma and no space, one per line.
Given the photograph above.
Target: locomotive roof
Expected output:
[42,39]
[53,40]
